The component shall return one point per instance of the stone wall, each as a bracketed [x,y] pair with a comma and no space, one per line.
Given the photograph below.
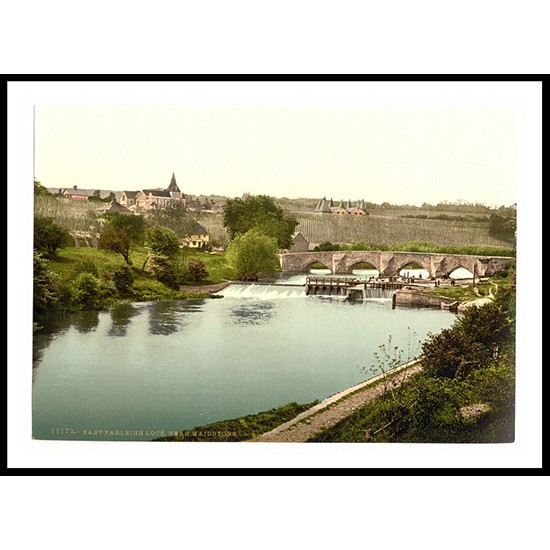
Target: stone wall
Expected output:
[408,297]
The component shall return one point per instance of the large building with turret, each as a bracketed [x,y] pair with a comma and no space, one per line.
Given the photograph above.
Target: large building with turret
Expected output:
[325,206]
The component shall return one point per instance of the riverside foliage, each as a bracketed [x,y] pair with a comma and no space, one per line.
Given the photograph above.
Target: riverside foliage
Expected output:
[465,393]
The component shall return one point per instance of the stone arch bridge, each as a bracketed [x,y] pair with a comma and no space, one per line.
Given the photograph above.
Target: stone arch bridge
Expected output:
[389,264]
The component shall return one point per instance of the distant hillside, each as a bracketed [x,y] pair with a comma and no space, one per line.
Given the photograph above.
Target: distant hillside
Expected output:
[390,230]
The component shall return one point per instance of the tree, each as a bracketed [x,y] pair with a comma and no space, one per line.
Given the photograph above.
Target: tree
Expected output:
[39,189]
[133,225]
[48,236]
[197,270]
[259,212]
[116,240]
[252,253]
[86,291]
[163,241]
[46,291]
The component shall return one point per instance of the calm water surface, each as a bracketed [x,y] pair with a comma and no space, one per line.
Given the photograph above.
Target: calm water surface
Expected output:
[148,368]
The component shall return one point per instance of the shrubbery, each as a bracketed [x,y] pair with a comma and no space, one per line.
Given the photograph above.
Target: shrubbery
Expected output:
[123,280]
[85,291]
[469,366]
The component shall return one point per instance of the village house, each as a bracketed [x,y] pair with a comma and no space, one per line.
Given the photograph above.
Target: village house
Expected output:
[75,193]
[299,243]
[113,206]
[197,237]
[78,194]
[128,198]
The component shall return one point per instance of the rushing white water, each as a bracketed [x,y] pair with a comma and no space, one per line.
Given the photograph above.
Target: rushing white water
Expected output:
[282,291]
[263,292]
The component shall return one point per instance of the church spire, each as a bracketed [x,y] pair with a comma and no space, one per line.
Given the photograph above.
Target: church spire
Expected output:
[173,185]
[173,188]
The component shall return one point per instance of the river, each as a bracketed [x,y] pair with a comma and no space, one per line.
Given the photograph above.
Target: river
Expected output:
[143,370]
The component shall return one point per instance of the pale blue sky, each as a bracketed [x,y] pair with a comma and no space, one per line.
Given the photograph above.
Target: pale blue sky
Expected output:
[403,154]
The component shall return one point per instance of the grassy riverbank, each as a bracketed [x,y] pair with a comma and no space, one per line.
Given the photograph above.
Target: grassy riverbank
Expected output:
[243,428]
[85,278]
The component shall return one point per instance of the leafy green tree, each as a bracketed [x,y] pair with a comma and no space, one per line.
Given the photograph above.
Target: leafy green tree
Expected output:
[123,279]
[46,288]
[86,291]
[162,268]
[133,225]
[197,270]
[39,189]
[163,241]
[48,236]
[116,240]
[252,253]
[259,212]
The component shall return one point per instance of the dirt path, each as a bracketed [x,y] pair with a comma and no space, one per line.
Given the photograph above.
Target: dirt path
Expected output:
[334,408]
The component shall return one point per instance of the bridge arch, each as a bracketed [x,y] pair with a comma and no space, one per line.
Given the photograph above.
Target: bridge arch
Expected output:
[410,264]
[363,265]
[309,266]
[349,260]
[469,276]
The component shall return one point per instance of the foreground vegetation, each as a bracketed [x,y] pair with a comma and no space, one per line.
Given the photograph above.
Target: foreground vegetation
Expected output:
[244,428]
[465,393]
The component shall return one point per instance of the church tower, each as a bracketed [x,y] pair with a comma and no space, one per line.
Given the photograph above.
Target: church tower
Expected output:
[173,188]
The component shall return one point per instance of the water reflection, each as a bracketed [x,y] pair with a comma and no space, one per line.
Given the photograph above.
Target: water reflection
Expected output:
[254,313]
[41,339]
[168,317]
[86,321]
[120,319]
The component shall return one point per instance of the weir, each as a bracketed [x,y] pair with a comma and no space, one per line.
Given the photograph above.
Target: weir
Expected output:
[263,291]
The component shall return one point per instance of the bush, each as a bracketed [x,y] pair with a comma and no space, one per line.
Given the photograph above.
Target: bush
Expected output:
[87,266]
[162,269]
[85,291]
[197,270]
[123,279]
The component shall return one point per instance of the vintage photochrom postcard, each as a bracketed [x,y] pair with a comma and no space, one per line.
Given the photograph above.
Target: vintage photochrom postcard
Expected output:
[314,263]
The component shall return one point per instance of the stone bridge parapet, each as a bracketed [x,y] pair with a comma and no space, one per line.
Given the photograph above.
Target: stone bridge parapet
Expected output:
[389,264]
